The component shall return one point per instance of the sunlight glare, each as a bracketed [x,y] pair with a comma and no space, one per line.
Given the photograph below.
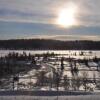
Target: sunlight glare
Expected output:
[66,16]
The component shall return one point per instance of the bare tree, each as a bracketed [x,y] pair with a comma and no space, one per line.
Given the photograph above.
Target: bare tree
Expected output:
[56,79]
[94,78]
[76,83]
[41,78]
[98,82]
[66,83]
[85,81]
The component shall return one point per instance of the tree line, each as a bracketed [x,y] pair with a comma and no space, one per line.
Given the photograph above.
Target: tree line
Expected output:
[46,44]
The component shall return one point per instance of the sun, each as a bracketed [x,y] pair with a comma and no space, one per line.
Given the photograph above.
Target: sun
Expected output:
[67,16]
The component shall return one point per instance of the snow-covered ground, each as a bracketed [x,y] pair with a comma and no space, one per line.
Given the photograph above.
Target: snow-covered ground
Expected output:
[29,79]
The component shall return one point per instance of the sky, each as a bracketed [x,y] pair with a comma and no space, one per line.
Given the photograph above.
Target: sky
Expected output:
[37,19]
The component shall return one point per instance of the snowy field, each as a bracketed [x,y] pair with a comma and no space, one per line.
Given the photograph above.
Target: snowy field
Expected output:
[48,68]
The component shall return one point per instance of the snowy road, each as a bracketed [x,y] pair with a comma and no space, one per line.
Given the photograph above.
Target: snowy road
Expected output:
[33,95]
[87,97]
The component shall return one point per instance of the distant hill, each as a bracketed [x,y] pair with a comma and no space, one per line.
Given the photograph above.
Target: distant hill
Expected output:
[44,44]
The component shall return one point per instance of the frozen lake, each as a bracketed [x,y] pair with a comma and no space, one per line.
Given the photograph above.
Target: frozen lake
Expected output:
[63,52]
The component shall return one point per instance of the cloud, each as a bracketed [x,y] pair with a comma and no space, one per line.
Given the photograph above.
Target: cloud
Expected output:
[22,18]
[45,10]
[21,29]
[59,37]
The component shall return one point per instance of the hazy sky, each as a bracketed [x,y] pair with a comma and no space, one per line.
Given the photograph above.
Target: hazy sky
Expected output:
[36,19]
